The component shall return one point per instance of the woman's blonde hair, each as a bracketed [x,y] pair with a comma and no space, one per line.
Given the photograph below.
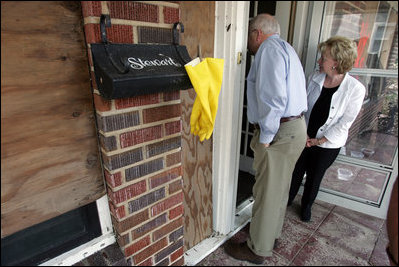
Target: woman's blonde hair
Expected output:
[342,50]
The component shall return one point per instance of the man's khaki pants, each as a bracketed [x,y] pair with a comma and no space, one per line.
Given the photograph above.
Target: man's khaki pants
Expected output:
[274,166]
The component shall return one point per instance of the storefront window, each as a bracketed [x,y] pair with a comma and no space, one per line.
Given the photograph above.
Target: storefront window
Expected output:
[373,138]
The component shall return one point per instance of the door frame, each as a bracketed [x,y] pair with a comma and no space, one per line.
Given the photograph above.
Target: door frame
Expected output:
[231,25]
[227,131]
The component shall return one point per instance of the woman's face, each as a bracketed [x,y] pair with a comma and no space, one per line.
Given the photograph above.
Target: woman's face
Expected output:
[327,64]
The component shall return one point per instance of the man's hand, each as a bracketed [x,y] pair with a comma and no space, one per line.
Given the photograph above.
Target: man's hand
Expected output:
[266,145]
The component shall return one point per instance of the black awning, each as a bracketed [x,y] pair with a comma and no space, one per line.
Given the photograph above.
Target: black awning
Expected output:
[126,70]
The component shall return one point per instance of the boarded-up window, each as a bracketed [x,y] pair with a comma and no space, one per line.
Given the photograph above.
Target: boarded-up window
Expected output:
[50,162]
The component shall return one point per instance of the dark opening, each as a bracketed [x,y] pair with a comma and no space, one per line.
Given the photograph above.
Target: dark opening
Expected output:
[245,179]
[245,183]
[47,240]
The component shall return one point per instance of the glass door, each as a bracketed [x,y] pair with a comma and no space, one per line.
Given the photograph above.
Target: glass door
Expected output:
[367,165]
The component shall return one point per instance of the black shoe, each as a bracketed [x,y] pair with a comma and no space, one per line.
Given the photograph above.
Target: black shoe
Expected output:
[306,214]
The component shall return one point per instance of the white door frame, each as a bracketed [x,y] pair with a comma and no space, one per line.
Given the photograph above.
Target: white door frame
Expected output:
[231,25]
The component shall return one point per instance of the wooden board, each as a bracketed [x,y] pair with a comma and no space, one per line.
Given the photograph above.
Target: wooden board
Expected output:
[198,18]
[49,154]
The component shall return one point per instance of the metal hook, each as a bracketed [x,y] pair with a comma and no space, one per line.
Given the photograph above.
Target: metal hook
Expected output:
[176,40]
[105,22]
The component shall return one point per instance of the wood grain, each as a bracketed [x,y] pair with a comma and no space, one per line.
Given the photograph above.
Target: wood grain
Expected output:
[199,23]
[49,153]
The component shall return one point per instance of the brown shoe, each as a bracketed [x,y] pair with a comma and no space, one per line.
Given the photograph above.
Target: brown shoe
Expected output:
[241,251]
[276,244]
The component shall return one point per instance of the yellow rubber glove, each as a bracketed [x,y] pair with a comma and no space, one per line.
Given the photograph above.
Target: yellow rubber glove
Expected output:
[206,78]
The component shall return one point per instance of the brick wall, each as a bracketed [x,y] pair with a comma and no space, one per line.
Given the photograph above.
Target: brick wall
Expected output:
[140,140]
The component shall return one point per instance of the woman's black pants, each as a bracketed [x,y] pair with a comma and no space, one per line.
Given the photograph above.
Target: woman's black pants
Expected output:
[314,161]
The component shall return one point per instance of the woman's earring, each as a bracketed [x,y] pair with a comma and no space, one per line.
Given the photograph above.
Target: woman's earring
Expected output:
[333,67]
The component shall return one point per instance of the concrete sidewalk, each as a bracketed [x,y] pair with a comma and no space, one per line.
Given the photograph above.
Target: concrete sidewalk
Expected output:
[335,236]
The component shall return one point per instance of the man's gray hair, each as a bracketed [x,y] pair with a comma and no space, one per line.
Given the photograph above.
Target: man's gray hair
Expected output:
[266,23]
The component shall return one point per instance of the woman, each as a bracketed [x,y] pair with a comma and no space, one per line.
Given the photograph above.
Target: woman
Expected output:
[334,101]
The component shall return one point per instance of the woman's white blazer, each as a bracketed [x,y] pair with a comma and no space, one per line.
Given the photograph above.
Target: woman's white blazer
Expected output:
[345,105]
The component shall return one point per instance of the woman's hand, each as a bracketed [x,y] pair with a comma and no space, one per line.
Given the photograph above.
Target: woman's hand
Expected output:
[315,142]
[311,142]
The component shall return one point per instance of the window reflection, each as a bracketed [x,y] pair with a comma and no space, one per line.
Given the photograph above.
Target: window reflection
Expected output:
[374,134]
[372,24]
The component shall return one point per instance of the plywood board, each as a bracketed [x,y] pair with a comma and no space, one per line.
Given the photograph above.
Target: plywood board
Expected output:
[198,18]
[49,153]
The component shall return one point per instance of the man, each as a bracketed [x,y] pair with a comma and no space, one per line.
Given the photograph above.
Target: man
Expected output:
[276,93]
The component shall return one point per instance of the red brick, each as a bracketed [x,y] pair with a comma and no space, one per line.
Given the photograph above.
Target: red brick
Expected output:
[113,179]
[171,15]
[115,34]
[130,10]
[129,192]
[169,96]
[173,127]
[151,250]
[166,204]
[101,103]
[130,222]
[90,58]
[140,136]
[137,101]
[119,212]
[175,212]
[175,186]
[161,113]
[165,177]
[180,262]
[120,34]
[92,33]
[93,80]
[122,239]
[130,250]
[147,262]
[91,8]
[173,159]
[177,254]
[168,228]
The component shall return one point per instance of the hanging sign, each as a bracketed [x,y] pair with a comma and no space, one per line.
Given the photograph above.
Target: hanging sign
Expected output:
[126,70]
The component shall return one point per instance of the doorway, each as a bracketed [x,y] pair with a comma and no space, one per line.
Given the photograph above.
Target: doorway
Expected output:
[246,174]
[370,155]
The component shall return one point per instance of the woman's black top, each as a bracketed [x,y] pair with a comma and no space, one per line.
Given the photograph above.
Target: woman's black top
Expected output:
[320,110]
